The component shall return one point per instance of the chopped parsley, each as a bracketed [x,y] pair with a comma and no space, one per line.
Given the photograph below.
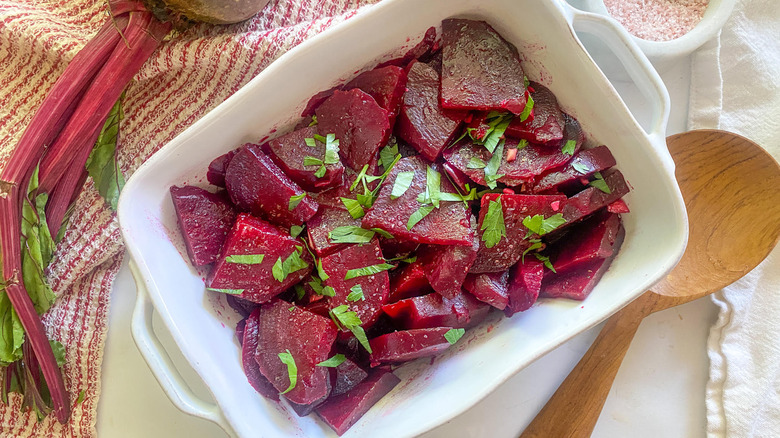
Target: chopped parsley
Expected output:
[433,186]
[418,215]
[356,293]
[535,244]
[291,264]
[295,200]
[387,154]
[319,289]
[313,122]
[546,261]
[331,153]
[292,370]
[300,292]
[353,207]
[402,183]
[600,184]
[333,362]
[529,106]
[245,259]
[491,169]
[453,335]
[476,163]
[296,230]
[539,225]
[493,226]
[368,270]
[343,317]
[351,234]
[227,291]
[581,167]
[569,147]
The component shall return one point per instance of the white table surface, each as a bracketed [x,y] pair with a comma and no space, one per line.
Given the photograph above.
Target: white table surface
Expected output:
[659,390]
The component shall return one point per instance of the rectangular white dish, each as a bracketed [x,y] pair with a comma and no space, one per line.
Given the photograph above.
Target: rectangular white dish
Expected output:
[202,325]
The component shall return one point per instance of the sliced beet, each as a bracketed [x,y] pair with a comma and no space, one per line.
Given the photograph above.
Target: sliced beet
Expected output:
[446,266]
[397,249]
[618,206]
[489,287]
[422,122]
[433,310]
[252,236]
[547,123]
[480,70]
[240,305]
[447,225]
[386,85]
[525,282]
[375,287]
[216,173]
[359,123]
[458,178]
[326,220]
[407,282]
[259,186]
[309,339]
[585,163]
[346,376]
[592,199]
[240,327]
[407,345]
[510,248]
[343,411]
[288,152]
[590,240]
[304,410]
[204,220]
[316,100]
[422,50]
[251,367]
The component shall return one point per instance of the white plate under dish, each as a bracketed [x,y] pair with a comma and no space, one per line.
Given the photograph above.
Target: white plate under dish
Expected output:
[543,31]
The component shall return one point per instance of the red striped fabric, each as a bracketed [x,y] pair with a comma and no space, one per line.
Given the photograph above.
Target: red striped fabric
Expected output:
[188,76]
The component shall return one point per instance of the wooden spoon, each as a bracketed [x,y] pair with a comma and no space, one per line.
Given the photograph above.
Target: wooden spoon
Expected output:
[730,186]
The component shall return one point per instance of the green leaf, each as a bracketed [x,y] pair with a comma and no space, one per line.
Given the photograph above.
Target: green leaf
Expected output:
[569,147]
[37,247]
[350,234]
[101,164]
[356,293]
[536,244]
[366,200]
[453,335]
[245,259]
[310,142]
[321,272]
[522,144]
[476,163]
[360,335]
[546,261]
[526,81]
[491,169]
[313,122]
[581,168]
[227,291]
[295,200]
[600,184]
[296,230]
[433,186]
[387,154]
[342,316]
[333,362]
[292,263]
[368,270]
[541,226]
[418,215]
[331,149]
[529,106]
[11,331]
[353,207]
[292,370]
[319,173]
[300,292]
[493,226]
[81,397]
[59,352]
[319,289]
[494,136]
[312,161]
[402,183]
[383,233]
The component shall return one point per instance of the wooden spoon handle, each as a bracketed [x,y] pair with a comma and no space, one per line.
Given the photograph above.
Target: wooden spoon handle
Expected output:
[575,407]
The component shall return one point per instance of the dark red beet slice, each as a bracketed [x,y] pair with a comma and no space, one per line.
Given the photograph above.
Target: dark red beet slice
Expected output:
[446,266]
[458,178]
[240,305]
[386,85]
[447,225]
[547,122]
[360,125]
[490,287]
[326,220]
[408,282]
[343,411]
[395,248]
[590,240]
[254,236]
[346,376]
[592,199]
[307,336]
[422,122]
[618,206]
[304,410]
[433,310]
[509,249]
[408,345]
[375,287]
[585,163]
[316,101]
[251,367]
[288,152]
[257,185]
[204,220]
[240,326]
[525,281]
[216,173]
[480,70]
[421,50]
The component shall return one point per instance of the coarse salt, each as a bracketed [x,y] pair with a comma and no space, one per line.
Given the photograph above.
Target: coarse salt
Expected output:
[657,20]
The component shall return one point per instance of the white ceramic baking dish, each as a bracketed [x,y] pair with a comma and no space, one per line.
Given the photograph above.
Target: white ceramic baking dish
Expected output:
[429,395]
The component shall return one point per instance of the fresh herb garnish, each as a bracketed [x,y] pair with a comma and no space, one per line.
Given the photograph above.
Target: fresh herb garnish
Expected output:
[546,261]
[383,233]
[529,106]
[313,122]
[476,163]
[333,362]
[581,167]
[418,215]
[353,207]
[522,144]
[293,263]
[402,183]
[342,316]
[387,154]
[369,196]
[300,292]
[296,230]
[453,335]
[498,127]
[292,370]
[310,142]
[295,200]
[331,153]
[491,169]
[319,289]
[600,184]
[493,226]
[541,226]
[227,291]
[569,147]
[356,293]
[368,270]
[535,244]
[350,234]
[321,272]
[245,259]
[433,186]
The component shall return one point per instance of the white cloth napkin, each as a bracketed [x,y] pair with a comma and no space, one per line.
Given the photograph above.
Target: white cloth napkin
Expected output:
[736,87]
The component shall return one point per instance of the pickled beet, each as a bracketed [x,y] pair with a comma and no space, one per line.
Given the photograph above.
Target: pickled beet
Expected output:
[326,220]
[251,367]
[489,287]
[359,123]
[204,220]
[422,50]
[592,199]
[386,85]
[433,310]
[458,178]
[288,152]
[547,123]
[525,282]
[346,376]
[446,266]
[480,70]
[407,282]
[316,100]
[592,239]
[216,173]
[584,163]
[259,186]
[407,345]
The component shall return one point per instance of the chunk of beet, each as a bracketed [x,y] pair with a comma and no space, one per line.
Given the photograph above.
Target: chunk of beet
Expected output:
[433,310]
[585,163]
[590,240]
[259,186]
[592,199]
[510,248]
[397,249]
[304,410]
[240,305]
[251,367]
[618,206]
[343,411]
[480,70]
[458,178]
[447,225]
[422,50]
[408,345]
[359,123]
[446,266]
[326,220]
[547,123]
[250,235]
[525,282]
[309,339]
[489,287]
[386,85]
[422,122]
[216,173]
[204,220]
[316,100]
[407,282]
[288,152]
[375,287]
[346,376]
[240,326]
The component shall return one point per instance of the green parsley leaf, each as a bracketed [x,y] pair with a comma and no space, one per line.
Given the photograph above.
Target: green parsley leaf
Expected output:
[368,270]
[541,226]
[600,184]
[526,81]
[312,161]
[295,200]
[418,215]
[387,154]
[353,207]
[293,263]
[313,121]
[245,259]
[581,167]
[453,335]
[356,293]
[360,335]
[310,142]
[319,289]
[491,169]
[102,165]
[300,292]
[292,369]
[568,148]
[476,163]
[409,259]
[342,316]
[227,291]
[383,233]
[333,362]
[529,106]
[321,171]
[493,226]
[321,272]
[433,186]
[319,138]
[494,136]
[402,183]
[331,149]
[291,308]
[522,144]
[546,261]
[536,244]
[350,234]
[296,230]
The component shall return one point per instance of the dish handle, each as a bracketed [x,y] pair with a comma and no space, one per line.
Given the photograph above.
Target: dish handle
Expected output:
[160,362]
